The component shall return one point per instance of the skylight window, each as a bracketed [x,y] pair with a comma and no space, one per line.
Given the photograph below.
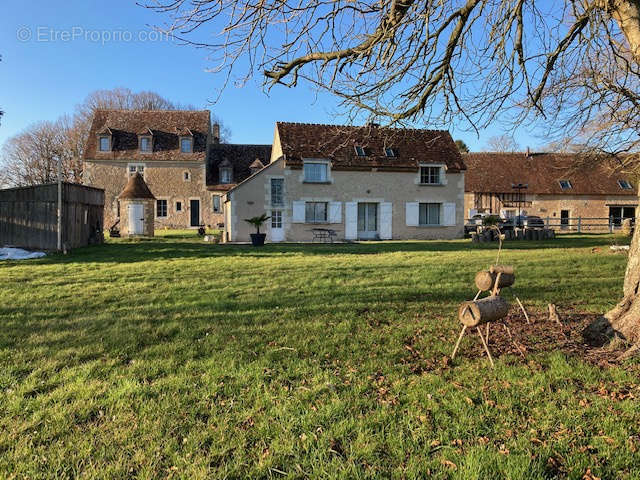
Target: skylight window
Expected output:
[565,184]
[360,151]
[389,152]
[624,184]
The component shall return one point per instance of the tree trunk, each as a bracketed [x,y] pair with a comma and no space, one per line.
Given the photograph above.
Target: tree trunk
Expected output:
[625,317]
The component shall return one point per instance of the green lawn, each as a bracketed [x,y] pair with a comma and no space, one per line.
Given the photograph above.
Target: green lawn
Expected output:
[170,358]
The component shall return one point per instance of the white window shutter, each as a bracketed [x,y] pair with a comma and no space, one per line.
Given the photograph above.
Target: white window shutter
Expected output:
[449,214]
[298,212]
[335,212]
[412,213]
[386,220]
[350,220]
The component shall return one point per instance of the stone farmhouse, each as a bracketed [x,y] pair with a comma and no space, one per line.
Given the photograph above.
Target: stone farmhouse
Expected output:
[557,190]
[178,154]
[362,182]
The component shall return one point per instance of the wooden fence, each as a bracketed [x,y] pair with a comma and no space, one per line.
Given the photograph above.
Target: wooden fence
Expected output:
[29,216]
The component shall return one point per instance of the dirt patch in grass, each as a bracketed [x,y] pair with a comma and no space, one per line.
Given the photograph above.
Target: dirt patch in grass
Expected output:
[519,340]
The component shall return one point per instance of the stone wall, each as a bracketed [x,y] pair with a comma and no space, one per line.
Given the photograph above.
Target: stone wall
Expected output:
[167,181]
[252,198]
[149,214]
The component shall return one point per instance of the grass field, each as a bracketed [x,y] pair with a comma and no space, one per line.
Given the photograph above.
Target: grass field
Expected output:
[170,358]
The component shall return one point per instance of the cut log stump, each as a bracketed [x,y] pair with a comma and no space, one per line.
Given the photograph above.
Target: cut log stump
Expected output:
[479,312]
[486,280]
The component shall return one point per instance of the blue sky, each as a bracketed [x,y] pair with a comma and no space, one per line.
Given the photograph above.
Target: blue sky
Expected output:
[53,55]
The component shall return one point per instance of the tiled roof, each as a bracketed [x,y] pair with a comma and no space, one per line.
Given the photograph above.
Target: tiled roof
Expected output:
[136,188]
[239,157]
[497,172]
[337,143]
[166,125]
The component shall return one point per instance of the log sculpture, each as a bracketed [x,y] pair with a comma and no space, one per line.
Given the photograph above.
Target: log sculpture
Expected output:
[479,312]
[503,275]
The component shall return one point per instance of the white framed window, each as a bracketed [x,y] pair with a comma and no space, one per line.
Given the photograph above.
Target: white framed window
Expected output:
[276,218]
[429,214]
[389,152]
[186,144]
[360,152]
[215,203]
[178,206]
[145,144]
[315,172]
[625,185]
[315,212]
[277,191]
[430,175]
[134,168]
[226,175]
[161,208]
[104,143]
[565,184]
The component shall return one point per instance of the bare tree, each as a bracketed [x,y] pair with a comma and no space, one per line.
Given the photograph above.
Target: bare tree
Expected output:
[572,63]
[502,143]
[31,157]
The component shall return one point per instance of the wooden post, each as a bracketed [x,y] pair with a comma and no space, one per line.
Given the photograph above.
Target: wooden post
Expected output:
[611,224]
[455,349]
[580,224]
[486,347]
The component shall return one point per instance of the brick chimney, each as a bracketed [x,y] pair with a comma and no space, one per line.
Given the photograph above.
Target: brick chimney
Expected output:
[215,133]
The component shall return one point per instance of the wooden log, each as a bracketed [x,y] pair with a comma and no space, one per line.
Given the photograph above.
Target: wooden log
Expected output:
[502,269]
[482,311]
[486,280]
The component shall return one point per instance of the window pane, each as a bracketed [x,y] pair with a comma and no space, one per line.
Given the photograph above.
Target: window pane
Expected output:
[362,216]
[161,208]
[185,145]
[434,214]
[216,203]
[104,144]
[315,172]
[372,217]
[321,212]
[276,219]
[276,191]
[309,212]
[423,214]
[145,144]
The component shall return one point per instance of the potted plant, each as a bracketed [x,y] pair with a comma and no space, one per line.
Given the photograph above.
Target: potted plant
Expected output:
[257,239]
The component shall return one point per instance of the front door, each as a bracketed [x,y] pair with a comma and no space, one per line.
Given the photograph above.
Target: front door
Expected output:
[195,212]
[136,218]
[564,219]
[367,221]
[277,230]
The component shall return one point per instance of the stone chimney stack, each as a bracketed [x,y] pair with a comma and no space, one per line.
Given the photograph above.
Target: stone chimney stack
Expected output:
[215,133]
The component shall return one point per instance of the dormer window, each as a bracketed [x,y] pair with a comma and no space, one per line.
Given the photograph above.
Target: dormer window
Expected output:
[226,175]
[104,143]
[186,144]
[625,185]
[389,152]
[145,144]
[565,184]
[360,151]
